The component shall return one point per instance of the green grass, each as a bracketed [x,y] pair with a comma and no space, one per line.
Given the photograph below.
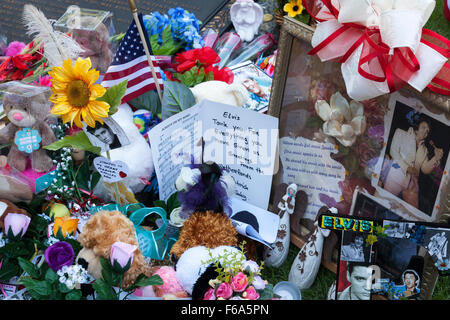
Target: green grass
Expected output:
[437,21]
[325,278]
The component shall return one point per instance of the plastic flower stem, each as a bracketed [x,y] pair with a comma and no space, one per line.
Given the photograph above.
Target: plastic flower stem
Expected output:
[75,181]
[116,184]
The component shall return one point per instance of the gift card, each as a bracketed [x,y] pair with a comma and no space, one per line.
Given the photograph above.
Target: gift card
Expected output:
[111,171]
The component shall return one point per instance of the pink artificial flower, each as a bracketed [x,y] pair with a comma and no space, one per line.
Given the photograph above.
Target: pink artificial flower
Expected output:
[251,294]
[239,282]
[44,81]
[122,256]
[224,291]
[18,223]
[209,295]
[15,48]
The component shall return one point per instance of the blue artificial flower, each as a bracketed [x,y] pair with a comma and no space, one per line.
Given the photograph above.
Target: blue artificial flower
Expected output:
[442,265]
[156,23]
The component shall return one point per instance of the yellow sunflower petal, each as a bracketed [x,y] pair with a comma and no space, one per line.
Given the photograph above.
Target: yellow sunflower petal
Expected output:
[90,77]
[61,108]
[88,117]
[96,91]
[77,119]
[81,67]
[99,108]
[68,68]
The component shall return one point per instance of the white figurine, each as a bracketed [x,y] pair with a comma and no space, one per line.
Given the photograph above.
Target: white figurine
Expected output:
[247,17]
[306,265]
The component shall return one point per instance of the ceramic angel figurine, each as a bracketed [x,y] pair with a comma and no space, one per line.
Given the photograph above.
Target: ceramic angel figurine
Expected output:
[278,252]
[306,265]
[247,17]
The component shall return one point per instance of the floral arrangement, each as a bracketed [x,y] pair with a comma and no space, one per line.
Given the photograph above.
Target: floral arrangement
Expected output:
[294,9]
[23,62]
[171,33]
[199,65]
[238,279]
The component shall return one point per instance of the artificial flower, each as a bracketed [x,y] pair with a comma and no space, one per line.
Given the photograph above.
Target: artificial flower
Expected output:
[206,56]
[122,255]
[16,225]
[250,293]
[66,225]
[209,295]
[239,282]
[59,255]
[293,8]
[371,239]
[15,48]
[75,93]
[224,290]
[442,265]
[225,74]
[250,266]
[44,81]
[258,283]
[343,121]
[187,177]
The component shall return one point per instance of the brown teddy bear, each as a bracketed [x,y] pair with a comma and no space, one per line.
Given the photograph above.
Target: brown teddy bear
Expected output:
[7,207]
[207,229]
[27,106]
[99,233]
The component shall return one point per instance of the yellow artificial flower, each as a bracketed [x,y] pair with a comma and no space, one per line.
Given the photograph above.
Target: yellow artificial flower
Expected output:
[67,225]
[75,93]
[293,8]
[371,239]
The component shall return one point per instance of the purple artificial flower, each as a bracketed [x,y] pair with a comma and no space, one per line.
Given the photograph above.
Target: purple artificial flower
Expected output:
[59,255]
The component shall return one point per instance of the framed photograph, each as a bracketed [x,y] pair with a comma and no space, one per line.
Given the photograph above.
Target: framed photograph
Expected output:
[257,83]
[329,162]
[107,136]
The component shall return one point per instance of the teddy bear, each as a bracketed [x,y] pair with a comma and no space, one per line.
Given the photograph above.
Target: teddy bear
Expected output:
[7,207]
[99,233]
[27,107]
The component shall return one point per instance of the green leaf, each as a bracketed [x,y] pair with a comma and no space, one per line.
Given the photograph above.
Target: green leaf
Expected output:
[149,281]
[160,203]
[177,97]
[51,276]
[63,288]
[148,101]
[104,291]
[107,271]
[78,141]
[168,47]
[9,270]
[267,293]
[95,178]
[74,295]
[28,267]
[113,96]
[41,288]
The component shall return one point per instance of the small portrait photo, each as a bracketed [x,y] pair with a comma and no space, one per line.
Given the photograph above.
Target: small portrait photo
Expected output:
[436,242]
[395,229]
[107,136]
[415,157]
[367,206]
[257,83]
[354,281]
[354,248]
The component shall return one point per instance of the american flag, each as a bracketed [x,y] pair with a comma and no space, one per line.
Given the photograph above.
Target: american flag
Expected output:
[131,63]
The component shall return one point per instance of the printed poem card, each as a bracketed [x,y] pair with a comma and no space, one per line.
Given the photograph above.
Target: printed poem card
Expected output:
[241,141]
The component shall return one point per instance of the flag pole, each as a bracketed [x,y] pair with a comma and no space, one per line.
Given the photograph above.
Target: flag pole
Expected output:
[144,43]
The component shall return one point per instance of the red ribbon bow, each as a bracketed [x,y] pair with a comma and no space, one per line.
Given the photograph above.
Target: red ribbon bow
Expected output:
[377,61]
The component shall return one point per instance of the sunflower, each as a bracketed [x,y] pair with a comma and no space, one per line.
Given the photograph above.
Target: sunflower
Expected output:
[75,93]
[293,8]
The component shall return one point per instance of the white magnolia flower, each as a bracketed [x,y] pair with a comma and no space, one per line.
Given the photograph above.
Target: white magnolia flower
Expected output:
[187,177]
[343,121]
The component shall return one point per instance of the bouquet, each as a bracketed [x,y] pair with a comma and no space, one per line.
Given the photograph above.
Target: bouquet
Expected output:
[238,279]
[197,65]
[169,34]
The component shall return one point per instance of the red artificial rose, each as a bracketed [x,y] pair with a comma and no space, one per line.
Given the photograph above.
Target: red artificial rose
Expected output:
[188,59]
[169,76]
[186,65]
[17,75]
[224,74]
[208,56]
